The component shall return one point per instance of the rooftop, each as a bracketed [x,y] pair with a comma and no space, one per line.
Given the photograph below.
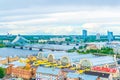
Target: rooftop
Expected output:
[104,75]
[18,64]
[101,60]
[50,71]
[73,75]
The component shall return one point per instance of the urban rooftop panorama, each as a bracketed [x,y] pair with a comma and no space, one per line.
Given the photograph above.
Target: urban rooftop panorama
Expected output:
[59,40]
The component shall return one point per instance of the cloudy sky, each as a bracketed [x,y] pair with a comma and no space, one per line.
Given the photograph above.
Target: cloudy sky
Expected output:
[59,16]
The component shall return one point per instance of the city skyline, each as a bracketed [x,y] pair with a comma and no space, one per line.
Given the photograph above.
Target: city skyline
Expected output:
[59,17]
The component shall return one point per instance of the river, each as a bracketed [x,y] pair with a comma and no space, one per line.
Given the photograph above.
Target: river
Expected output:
[4,52]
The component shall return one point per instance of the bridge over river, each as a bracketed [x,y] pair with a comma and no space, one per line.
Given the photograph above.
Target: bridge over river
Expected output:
[51,47]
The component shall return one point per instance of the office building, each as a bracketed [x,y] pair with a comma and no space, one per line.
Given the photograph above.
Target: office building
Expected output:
[84,35]
[110,36]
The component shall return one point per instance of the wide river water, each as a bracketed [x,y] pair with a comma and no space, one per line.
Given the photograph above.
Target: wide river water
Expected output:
[4,52]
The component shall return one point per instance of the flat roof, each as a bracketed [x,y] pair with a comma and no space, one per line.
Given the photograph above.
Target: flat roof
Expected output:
[2,58]
[68,70]
[104,75]
[18,64]
[51,71]
[101,60]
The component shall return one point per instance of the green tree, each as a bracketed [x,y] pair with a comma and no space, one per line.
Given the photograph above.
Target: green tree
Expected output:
[70,50]
[2,45]
[107,50]
[2,72]
[92,51]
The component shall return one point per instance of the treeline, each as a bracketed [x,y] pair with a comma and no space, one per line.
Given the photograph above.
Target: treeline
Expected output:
[104,50]
[2,45]
[83,50]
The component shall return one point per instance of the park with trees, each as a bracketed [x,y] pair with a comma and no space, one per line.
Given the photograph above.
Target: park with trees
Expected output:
[2,72]
[102,51]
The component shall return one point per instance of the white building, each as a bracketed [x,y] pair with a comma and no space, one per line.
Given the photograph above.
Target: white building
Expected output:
[42,41]
[6,41]
[57,39]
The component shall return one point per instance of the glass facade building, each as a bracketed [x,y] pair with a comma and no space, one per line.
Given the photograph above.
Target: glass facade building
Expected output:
[84,35]
[110,36]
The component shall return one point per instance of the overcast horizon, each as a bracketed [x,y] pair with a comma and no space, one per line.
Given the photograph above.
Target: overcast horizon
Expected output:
[59,17]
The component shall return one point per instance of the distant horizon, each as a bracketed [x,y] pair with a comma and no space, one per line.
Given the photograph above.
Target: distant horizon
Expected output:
[63,34]
[54,35]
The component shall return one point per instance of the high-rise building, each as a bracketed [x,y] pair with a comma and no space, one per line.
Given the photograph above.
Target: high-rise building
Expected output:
[110,36]
[84,35]
[98,36]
